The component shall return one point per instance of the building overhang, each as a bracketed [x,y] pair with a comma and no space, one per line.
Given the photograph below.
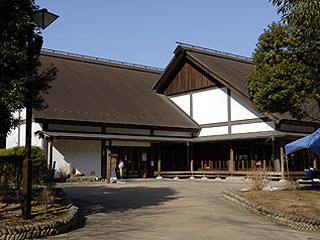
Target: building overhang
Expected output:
[167,139]
[103,136]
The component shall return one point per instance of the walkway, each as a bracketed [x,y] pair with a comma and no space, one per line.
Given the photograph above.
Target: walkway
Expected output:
[168,210]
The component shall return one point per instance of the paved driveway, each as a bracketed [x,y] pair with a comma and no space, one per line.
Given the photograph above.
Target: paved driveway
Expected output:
[168,210]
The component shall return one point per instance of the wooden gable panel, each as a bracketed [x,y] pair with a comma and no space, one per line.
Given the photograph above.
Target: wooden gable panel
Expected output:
[188,79]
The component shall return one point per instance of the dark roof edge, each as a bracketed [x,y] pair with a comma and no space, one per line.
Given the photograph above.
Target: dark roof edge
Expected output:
[213,51]
[99,61]
[232,57]
[119,125]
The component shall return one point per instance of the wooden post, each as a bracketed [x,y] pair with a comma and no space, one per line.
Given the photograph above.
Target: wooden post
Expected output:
[159,162]
[264,156]
[50,164]
[274,154]
[253,161]
[191,157]
[315,163]
[201,164]
[108,165]
[232,167]
[220,164]
[282,161]
[242,162]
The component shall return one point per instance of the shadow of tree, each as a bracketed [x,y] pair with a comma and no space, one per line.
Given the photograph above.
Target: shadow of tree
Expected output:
[105,199]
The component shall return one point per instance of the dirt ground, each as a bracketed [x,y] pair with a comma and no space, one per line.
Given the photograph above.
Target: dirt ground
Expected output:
[303,203]
[10,213]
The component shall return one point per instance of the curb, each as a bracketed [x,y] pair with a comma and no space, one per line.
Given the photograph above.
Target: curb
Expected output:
[43,229]
[276,216]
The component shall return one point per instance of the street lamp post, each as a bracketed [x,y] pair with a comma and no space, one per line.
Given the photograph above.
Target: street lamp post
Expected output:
[42,18]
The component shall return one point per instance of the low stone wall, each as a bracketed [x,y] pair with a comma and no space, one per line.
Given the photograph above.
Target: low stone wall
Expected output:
[43,229]
[283,218]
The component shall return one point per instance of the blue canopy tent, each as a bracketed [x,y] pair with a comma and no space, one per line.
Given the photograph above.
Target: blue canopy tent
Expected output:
[311,142]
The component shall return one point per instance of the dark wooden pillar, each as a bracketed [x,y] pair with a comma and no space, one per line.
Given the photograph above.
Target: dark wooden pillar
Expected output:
[191,146]
[103,155]
[232,164]
[253,161]
[282,156]
[108,167]
[159,161]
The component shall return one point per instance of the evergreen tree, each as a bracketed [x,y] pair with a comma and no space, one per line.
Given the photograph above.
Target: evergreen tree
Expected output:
[285,77]
[18,62]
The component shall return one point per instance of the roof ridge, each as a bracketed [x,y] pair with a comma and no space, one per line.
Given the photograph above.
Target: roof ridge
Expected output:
[106,60]
[209,50]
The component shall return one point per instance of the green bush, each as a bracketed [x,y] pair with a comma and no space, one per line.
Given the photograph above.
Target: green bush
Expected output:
[39,164]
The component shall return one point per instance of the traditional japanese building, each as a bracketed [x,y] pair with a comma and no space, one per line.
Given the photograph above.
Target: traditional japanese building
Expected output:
[192,118]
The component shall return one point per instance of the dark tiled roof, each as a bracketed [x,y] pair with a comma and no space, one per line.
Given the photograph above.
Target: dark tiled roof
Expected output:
[95,91]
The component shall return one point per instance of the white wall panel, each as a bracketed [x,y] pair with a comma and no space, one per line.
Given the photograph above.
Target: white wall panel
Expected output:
[12,139]
[84,155]
[241,109]
[183,102]
[210,106]
[214,131]
[36,141]
[252,127]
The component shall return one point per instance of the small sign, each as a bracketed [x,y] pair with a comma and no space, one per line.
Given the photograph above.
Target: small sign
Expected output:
[144,157]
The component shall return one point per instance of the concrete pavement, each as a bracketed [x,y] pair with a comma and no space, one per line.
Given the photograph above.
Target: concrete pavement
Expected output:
[151,209]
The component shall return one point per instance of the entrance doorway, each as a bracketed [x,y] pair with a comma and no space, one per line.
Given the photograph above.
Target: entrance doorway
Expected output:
[137,161]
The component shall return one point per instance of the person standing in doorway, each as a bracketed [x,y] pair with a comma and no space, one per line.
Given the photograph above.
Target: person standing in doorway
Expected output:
[121,165]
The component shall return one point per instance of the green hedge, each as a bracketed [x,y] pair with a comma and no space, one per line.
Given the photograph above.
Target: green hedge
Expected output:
[39,164]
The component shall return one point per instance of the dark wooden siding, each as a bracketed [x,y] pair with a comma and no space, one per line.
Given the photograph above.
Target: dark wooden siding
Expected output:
[188,79]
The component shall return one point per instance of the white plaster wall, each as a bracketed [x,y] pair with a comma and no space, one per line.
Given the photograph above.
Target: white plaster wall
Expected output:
[128,131]
[214,131]
[183,101]
[172,133]
[128,144]
[252,127]
[84,155]
[210,106]
[76,128]
[36,141]
[241,109]
[12,138]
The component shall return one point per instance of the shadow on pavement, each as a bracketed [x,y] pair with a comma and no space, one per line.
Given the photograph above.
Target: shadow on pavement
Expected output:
[104,199]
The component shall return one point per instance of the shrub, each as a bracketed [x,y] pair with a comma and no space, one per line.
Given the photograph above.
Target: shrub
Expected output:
[39,165]
[258,178]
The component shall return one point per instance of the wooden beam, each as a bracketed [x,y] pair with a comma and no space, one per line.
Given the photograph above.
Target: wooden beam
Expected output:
[282,155]
[232,166]
[108,165]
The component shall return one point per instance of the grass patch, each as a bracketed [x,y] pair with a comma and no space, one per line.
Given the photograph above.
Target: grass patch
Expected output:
[304,203]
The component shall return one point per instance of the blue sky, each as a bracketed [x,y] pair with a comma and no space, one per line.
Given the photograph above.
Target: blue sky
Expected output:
[145,31]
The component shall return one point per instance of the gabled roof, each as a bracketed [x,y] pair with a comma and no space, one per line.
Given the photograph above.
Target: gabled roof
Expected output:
[229,71]
[93,91]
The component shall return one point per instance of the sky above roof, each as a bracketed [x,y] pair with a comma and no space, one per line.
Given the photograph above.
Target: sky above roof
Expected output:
[145,32]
